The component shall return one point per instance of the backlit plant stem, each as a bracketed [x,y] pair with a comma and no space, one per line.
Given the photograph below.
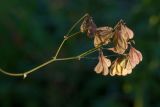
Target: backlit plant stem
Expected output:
[66,37]
[55,57]
[48,62]
[71,29]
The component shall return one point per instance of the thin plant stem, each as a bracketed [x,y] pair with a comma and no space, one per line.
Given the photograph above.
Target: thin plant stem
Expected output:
[65,39]
[54,58]
[89,51]
[73,35]
[70,30]
[95,58]
[67,35]
[59,48]
[28,72]
[46,63]
[81,56]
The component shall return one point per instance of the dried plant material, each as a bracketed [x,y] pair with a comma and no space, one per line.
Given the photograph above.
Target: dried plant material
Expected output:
[88,26]
[104,31]
[103,36]
[135,57]
[121,36]
[129,33]
[121,67]
[103,64]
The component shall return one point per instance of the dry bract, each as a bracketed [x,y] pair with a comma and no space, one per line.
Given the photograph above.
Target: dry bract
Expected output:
[121,67]
[135,57]
[103,64]
[88,26]
[120,39]
[103,36]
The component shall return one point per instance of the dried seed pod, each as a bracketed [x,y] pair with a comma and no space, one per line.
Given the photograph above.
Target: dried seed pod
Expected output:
[121,36]
[103,64]
[103,36]
[135,57]
[121,67]
[129,33]
[88,26]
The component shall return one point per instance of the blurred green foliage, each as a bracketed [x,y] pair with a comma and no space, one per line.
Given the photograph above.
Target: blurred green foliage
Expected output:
[30,32]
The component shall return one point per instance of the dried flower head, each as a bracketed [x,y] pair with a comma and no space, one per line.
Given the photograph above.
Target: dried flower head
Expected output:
[88,26]
[121,36]
[103,36]
[121,67]
[103,64]
[135,57]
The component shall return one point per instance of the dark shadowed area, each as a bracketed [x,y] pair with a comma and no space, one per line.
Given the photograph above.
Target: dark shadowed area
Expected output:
[31,31]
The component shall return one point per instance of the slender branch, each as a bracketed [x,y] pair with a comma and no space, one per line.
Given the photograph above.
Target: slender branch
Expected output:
[66,37]
[73,35]
[11,74]
[48,62]
[89,51]
[70,30]
[54,58]
[27,72]
[59,49]
[95,58]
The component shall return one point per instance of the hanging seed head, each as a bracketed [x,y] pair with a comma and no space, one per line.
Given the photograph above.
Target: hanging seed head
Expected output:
[103,64]
[103,36]
[88,26]
[121,37]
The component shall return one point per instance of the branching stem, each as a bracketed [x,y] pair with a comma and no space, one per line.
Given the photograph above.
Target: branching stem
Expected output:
[48,62]
[66,37]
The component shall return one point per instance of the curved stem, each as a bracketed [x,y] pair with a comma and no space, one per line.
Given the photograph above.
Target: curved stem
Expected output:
[55,57]
[89,51]
[67,35]
[70,30]
[73,35]
[48,62]
[28,72]
[65,39]
[59,48]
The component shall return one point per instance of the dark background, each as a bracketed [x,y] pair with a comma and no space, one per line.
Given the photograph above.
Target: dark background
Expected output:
[31,31]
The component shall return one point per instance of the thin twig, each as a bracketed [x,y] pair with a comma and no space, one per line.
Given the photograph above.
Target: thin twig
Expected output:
[67,35]
[70,30]
[44,64]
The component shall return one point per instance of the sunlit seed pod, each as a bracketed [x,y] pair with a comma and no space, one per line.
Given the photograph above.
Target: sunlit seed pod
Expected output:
[135,57]
[88,26]
[103,64]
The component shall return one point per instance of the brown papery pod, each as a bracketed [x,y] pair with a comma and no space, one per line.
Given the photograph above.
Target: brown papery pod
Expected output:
[121,67]
[121,37]
[88,26]
[135,57]
[103,64]
[103,36]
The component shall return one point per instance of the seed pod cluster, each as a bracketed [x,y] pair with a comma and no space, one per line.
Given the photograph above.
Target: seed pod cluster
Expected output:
[119,38]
